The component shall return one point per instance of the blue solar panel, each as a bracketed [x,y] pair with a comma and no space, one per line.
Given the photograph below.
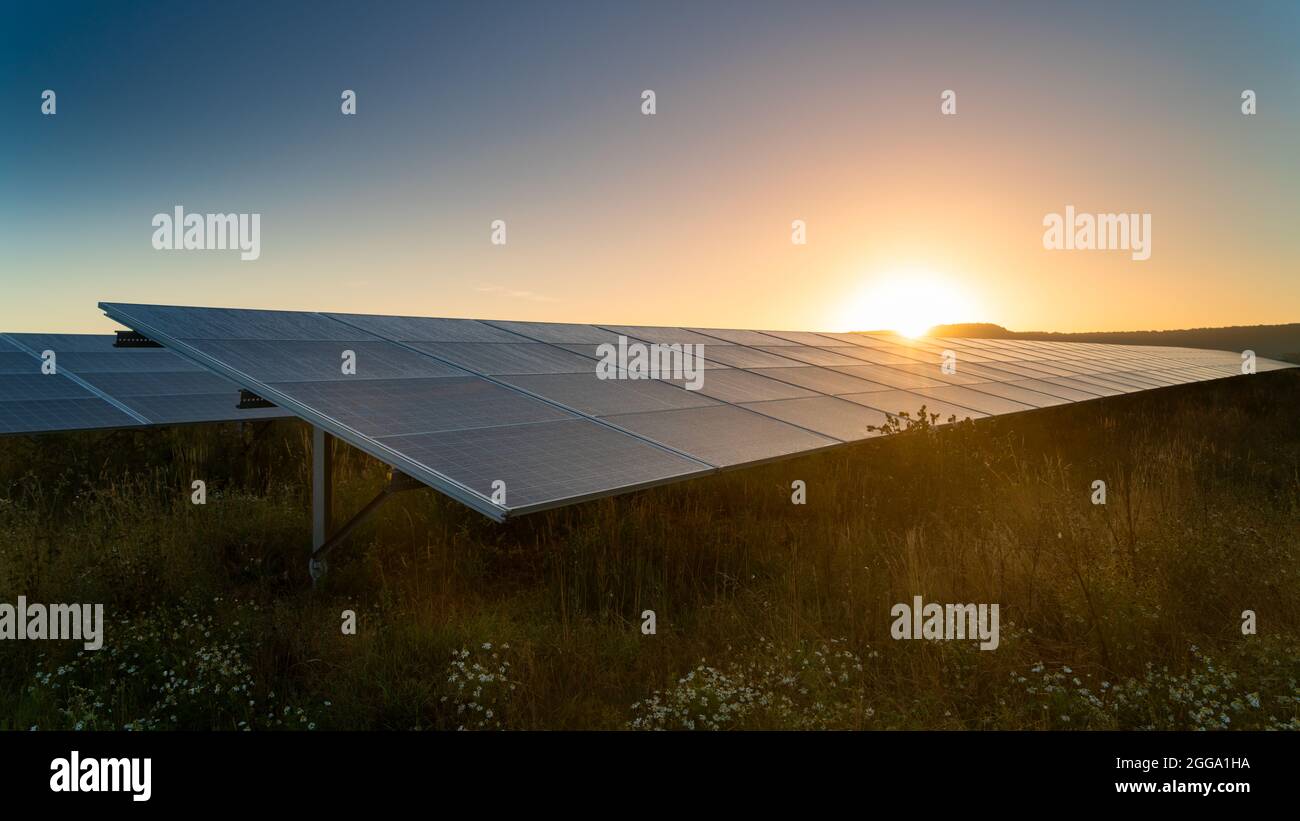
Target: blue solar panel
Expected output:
[94,384]
[46,415]
[465,404]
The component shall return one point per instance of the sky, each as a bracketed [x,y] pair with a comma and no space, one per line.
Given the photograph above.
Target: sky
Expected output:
[765,113]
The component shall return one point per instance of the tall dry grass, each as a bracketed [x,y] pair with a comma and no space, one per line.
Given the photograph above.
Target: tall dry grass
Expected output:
[768,614]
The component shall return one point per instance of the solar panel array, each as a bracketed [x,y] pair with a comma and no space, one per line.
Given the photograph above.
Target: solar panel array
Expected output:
[463,404]
[88,384]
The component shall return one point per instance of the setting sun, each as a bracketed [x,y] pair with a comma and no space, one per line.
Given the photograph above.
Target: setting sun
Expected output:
[909,302]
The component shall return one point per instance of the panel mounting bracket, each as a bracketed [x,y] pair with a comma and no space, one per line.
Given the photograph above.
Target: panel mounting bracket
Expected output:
[249,401]
[324,538]
[133,339]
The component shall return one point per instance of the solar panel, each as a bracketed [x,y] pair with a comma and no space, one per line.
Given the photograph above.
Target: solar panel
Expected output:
[94,385]
[311,360]
[469,405]
[427,329]
[569,460]
[807,338]
[587,393]
[46,415]
[1074,388]
[837,418]
[813,356]
[391,407]
[736,386]
[504,358]
[738,356]
[889,376]
[899,402]
[557,332]
[1033,393]
[974,399]
[723,435]
[740,337]
[822,380]
[664,336]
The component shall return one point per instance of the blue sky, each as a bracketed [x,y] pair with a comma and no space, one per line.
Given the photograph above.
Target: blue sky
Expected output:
[767,112]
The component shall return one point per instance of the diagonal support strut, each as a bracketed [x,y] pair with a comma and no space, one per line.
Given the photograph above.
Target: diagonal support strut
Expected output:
[324,539]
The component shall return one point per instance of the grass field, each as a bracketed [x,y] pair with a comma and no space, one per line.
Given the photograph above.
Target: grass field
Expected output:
[769,614]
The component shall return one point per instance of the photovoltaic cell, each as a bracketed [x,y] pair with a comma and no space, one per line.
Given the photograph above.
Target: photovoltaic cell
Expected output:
[739,356]
[740,337]
[115,362]
[889,376]
[588,394]
[813,356]
[557,332]
[1081,389]
[427,329]
[736,386]
[973,398]
[897,402]
[958,377]
[154,383]
[500,358]
[722,435]
[664,336]
[593,354]
[877,356]
[16,362]
[235,323]
[822,380]
[36,385]
[1017,392]
[805,338]
[542,463]
[310,361]
[391,407]
[178,409]
[46,415]
[827,415]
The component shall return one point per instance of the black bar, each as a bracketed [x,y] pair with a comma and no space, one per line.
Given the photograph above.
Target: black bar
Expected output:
[918,770]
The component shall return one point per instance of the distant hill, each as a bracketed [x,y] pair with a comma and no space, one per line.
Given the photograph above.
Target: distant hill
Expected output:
[1273,341]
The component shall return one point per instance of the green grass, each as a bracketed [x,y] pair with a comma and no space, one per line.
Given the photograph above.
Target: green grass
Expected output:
[769,614]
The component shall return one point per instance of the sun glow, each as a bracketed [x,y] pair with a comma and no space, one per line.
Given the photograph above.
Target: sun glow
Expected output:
[909,302]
